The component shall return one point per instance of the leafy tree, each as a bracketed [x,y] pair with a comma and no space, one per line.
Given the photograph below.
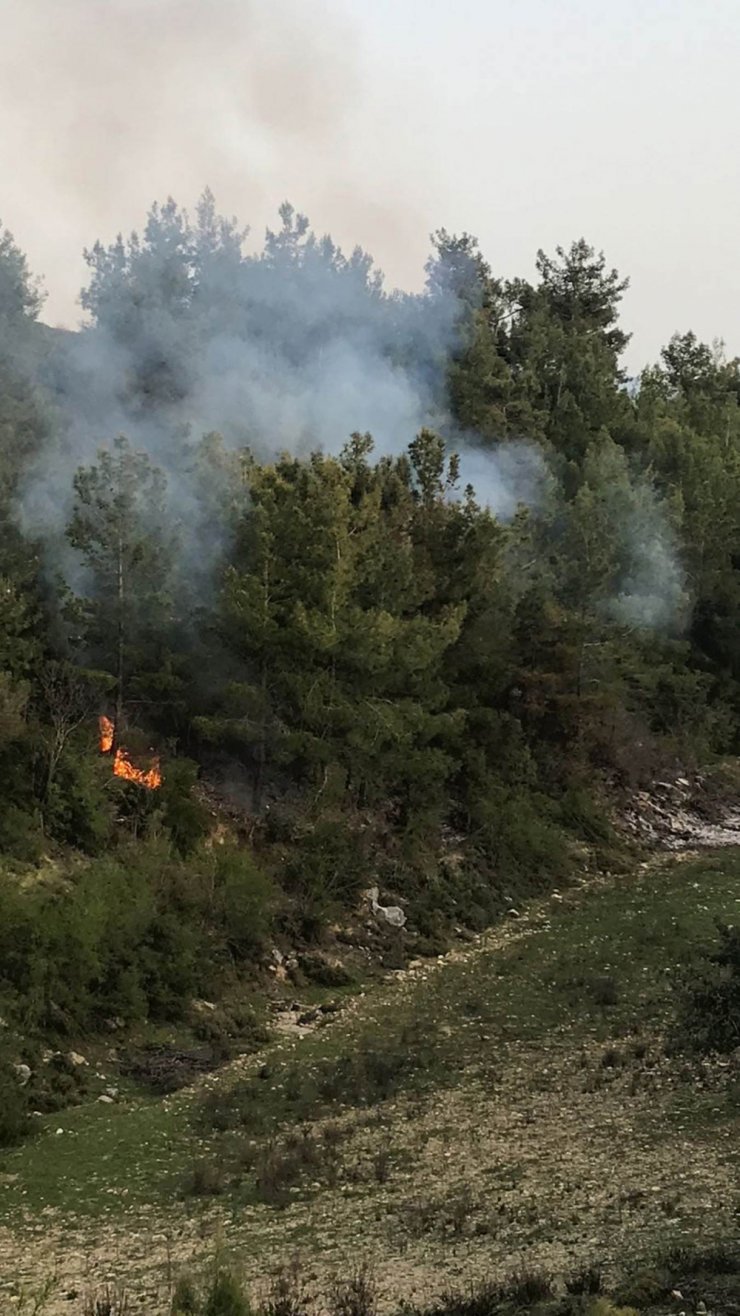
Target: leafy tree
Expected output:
[119,526]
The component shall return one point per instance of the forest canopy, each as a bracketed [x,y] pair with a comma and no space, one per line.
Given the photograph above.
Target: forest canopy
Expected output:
[396,567]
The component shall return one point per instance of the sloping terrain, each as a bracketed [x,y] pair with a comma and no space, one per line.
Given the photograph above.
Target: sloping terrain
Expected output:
[510,1105]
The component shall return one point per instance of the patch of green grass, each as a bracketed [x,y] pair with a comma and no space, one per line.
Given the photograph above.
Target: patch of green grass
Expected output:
[447,1026]
[105,1159]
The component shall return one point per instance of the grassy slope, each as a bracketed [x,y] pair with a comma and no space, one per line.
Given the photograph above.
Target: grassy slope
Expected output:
[535,1119]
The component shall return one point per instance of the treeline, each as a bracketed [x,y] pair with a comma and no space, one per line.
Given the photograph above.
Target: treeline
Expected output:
[405,685]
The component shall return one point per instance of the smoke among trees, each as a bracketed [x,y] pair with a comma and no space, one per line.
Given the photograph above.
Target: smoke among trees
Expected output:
[416,560]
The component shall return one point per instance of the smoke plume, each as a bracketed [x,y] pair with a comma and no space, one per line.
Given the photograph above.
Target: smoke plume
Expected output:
[291,348]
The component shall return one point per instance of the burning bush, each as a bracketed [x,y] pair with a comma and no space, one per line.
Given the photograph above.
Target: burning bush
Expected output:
[150,778]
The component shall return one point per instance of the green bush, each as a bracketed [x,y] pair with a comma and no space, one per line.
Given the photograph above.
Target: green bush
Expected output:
[581,813]
[226,1296]
[20,834]
[185,1298]
[324,871]
[709,1009]
[122,938]
[78,809]
[185,818]
[246,900]
[14,1115]
[520,840]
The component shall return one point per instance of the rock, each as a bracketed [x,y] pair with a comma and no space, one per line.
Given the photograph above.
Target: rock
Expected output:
[513,913]
[112,1093]
[203,1007]
[105,1100]
[23,1074]
[76,1059]
[58,1133]
[391,914]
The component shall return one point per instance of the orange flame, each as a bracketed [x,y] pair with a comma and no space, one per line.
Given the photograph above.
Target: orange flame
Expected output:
[122,765]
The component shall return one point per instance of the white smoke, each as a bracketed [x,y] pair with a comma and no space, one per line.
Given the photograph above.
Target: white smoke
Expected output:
[291,350]
[653,592]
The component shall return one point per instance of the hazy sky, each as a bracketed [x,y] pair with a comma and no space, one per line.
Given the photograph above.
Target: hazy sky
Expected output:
[526,122]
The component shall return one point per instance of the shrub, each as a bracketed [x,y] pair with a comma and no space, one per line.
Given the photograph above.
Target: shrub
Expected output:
[604,1307]
[205,1178]
[604,990]
[287,1296]
[110,1302]
[582,814]
[226,1296]
[323,973]
[20,834]
[589,1280]
[645,1288]
[325,870]
[525,1287]
[78,810]
[282,1166]
[246,900]
[185,818]
[709,1009]
[14,1115]
[356,1296]
[185,1298]
[522,839]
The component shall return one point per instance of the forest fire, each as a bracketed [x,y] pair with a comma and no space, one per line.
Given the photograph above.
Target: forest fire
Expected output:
[122,765]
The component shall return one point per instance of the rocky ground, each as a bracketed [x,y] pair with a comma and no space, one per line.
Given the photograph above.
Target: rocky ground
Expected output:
[683,814]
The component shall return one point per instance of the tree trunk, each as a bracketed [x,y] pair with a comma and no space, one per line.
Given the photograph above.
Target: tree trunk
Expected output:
[121,598]
[259,774]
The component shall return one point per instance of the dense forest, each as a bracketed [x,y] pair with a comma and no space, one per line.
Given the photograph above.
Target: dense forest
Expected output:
[404,588]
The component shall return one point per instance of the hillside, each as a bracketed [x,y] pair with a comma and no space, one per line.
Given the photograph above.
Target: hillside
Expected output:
[511,1105]
[362,654]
